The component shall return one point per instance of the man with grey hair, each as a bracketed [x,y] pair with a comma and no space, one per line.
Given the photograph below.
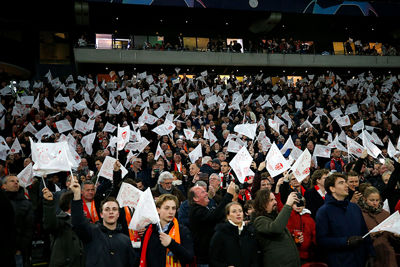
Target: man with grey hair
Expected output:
[214,190]
[164,186]
[206,165]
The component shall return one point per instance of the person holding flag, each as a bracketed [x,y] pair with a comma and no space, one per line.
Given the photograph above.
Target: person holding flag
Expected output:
[373,213]
[115,247]
[171,245]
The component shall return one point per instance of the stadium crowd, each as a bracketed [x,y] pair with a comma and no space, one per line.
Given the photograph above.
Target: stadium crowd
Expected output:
[211,212]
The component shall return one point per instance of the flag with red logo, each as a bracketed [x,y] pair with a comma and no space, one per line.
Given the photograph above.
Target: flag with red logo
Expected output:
[301,168]
[159,152]
[322,151]
[241,164]
[124,134]
[275,162]
[354,148]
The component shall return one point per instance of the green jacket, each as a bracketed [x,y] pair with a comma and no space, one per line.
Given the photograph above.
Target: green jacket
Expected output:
[275,240]
[66,248]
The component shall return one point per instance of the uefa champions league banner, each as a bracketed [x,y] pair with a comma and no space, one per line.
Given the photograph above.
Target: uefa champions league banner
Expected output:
[325,7]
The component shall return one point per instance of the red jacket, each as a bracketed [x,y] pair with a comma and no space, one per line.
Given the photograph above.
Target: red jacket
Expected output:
[306,224]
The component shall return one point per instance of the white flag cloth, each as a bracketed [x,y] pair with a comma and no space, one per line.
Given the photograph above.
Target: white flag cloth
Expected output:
[343,121]
[275,162]
[159,112]
[80,126]
[3,122]
[301,168]
[45,131]
[47,103]
[391,150]
[123,136]
[87,142]
[354,148]
[295,153]
[159,152]
[145,212]
[211,137]
[36,103]
[247,129]
[109,128]
[322,151]
[241,164]
[336,144]
[128,196]
[25,177]
[372,149]
[196,154]
[358,126]
[288,145]
[30,128]
[63,126]
[52,157]
[317,120]
[107,168]
[16,147]
[99,100]
[189,134]
[234,146]
[165,128]
[274,125]
[390,224]
[336,113]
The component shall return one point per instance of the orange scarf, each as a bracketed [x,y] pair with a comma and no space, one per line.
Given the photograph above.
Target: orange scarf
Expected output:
[92,215]
[133,235]
[170,260]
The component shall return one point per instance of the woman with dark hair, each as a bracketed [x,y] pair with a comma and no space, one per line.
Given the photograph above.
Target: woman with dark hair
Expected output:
[233,243]
[277,245]
[315,197]
[371,206]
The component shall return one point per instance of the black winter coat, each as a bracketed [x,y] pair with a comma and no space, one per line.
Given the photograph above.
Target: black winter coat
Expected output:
[202,222]
[156,252]
[103,247]
[23,220]
[228,248]
[67,248]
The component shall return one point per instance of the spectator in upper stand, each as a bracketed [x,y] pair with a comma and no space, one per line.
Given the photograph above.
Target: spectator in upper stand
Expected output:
[206,165]
[340,227]
[315,196]
[353,182]
[336,163]
[164,186]
[202,220]
[23,219]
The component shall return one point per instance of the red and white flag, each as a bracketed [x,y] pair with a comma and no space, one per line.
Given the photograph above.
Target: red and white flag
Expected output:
[25,177]
[241,164]
[301,168]
[275,162]
[391,224]
[123,136]
[63,126]
[322,151]
[159,152]
[145,212]
[128,196]
[196,154]
[354,148]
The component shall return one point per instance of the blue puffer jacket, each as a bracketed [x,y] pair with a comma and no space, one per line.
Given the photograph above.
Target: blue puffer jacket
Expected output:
[336,221]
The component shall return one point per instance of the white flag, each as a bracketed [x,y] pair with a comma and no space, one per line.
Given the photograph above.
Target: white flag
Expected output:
[196,154]
[358,126]
[25,177]
[107,168]
[16,147]
[248,130]
[211,137]
[51,157]
[301,168]
[189,134]
[145,212]
[288,145]
[322,151]
[3,123]
[128,196]
[45,131]
[372,149]
[159,152]
[343,121]
[123,136]
[63,126]
[80,126]
[390,224]
[87,143]
[354,148]
[317,120]
[274,125]
[275,162]
[391,150]
[109,128]
[241,164]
